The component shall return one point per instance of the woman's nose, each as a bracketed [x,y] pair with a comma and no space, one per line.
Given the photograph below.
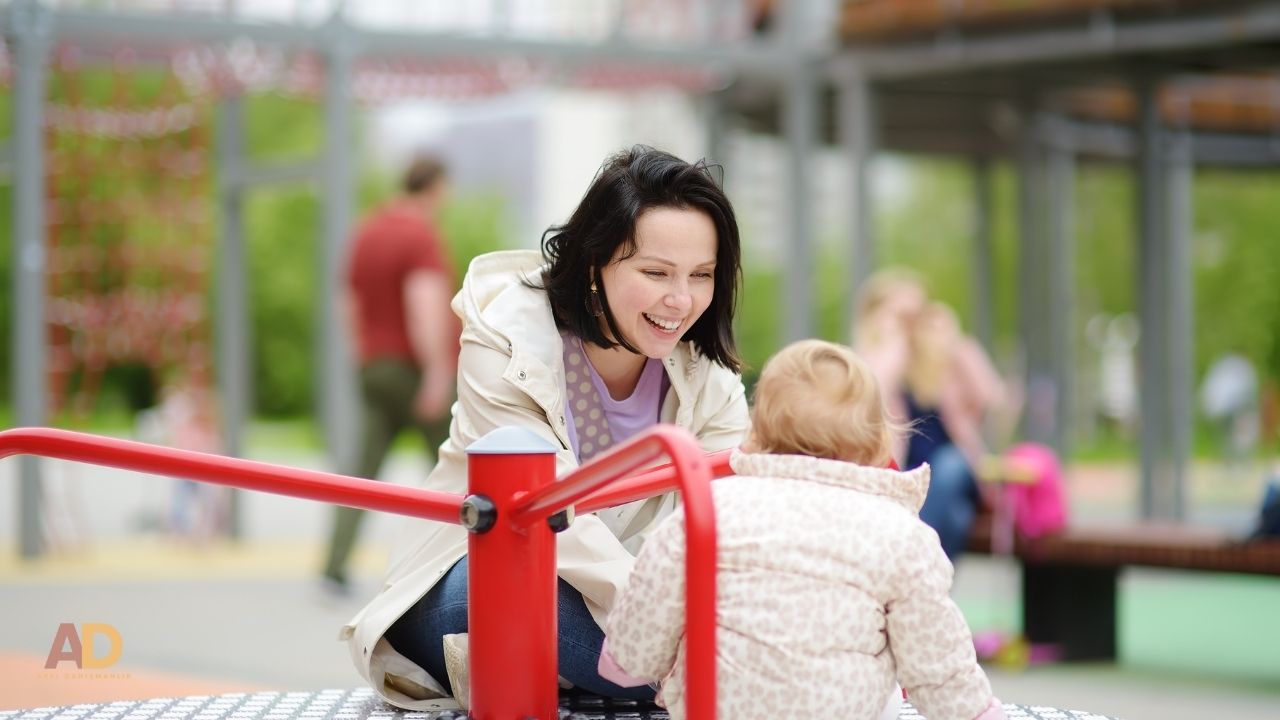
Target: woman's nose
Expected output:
[679,298]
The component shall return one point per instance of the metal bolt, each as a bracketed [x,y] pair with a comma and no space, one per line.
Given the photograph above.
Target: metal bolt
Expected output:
[478,514]
[560,521]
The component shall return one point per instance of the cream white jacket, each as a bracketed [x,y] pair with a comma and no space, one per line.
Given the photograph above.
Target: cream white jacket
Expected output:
[830,586]
[511,372]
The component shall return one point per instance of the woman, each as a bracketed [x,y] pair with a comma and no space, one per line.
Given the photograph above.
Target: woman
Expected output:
[625,320]
[951,385]
[887,305]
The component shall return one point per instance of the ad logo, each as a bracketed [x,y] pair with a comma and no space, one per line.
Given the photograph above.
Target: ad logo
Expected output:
[80,648]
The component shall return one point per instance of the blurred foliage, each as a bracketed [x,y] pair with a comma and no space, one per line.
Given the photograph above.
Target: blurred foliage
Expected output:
[282,239]
[120,172]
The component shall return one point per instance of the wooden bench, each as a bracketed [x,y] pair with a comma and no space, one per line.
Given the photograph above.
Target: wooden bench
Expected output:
[1069,580]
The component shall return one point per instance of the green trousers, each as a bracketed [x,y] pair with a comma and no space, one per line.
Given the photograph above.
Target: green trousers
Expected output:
[387,390]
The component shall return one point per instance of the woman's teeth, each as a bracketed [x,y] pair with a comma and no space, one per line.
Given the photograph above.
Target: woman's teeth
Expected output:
[664,325]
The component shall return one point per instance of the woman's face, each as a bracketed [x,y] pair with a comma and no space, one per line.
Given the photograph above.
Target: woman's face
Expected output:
[659,292]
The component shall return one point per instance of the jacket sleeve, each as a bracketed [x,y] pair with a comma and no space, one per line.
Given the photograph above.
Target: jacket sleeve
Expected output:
[929,637]
[646,625]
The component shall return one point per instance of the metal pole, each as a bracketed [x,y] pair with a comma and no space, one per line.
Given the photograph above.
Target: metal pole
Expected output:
[857,120]
[1157,484]
[511,579]
[800,129]
[982,292]
[1040,403]
[29,37]
[1060,294]
[801,98]
[1181,315]
[336,390]
[232,307]
[715,125]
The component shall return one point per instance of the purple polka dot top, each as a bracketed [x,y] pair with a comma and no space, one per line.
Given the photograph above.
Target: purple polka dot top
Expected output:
[596,421]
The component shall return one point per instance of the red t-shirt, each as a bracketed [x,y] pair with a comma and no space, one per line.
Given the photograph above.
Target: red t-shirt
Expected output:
[389,245]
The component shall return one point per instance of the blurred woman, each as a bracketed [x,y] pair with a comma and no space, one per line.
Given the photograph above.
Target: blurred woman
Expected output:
[951,386]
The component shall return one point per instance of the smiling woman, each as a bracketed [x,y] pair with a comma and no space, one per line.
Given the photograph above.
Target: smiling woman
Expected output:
[654,294]
[623,321]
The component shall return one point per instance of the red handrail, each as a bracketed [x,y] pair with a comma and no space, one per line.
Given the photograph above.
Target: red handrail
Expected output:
[232,472]
[653,481]
[692,472]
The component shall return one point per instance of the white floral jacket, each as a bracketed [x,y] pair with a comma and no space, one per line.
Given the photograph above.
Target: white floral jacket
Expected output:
[829,587]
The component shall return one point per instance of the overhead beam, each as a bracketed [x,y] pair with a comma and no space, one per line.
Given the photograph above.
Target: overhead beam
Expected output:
[1205,148]
[247,174]
[86,26]
[1093,38]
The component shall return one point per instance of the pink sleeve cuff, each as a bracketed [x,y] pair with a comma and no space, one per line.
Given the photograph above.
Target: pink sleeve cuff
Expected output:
[994,711]
[610,670]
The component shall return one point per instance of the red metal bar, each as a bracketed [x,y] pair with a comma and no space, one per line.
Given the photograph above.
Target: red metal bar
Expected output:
[513,577]
[511,586]
[651,482]
[232,472]
[692,471]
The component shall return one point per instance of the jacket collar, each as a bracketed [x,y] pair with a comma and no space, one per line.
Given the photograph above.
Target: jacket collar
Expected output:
[905,488]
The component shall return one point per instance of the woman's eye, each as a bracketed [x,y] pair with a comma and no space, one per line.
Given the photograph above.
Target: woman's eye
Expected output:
[703,275]
[655,273]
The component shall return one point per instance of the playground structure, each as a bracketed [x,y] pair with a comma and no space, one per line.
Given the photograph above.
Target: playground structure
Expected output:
[1164,85]
[513,509]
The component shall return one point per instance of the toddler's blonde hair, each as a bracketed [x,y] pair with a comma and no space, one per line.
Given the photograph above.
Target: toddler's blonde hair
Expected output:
[820,399]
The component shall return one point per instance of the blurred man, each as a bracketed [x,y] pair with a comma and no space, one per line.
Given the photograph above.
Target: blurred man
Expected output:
[399,286]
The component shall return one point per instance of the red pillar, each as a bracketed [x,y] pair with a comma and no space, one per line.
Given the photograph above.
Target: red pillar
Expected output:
[511,580]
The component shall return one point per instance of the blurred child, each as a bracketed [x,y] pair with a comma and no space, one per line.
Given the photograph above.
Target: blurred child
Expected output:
[188,419]
[830,587]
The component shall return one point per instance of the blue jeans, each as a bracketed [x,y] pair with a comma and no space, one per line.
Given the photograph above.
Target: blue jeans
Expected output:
[443,611]
[952,501]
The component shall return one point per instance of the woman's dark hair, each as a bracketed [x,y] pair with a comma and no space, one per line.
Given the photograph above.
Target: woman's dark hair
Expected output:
[628,184]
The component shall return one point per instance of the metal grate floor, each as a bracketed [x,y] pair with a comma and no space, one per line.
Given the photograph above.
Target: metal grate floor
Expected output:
[362,704]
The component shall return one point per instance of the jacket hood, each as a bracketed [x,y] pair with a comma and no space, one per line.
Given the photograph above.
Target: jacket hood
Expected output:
[905,488]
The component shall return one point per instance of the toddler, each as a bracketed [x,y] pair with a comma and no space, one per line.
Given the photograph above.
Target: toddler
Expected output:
[830,587]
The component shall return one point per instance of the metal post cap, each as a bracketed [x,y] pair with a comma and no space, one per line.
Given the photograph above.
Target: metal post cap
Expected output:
[511,440]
